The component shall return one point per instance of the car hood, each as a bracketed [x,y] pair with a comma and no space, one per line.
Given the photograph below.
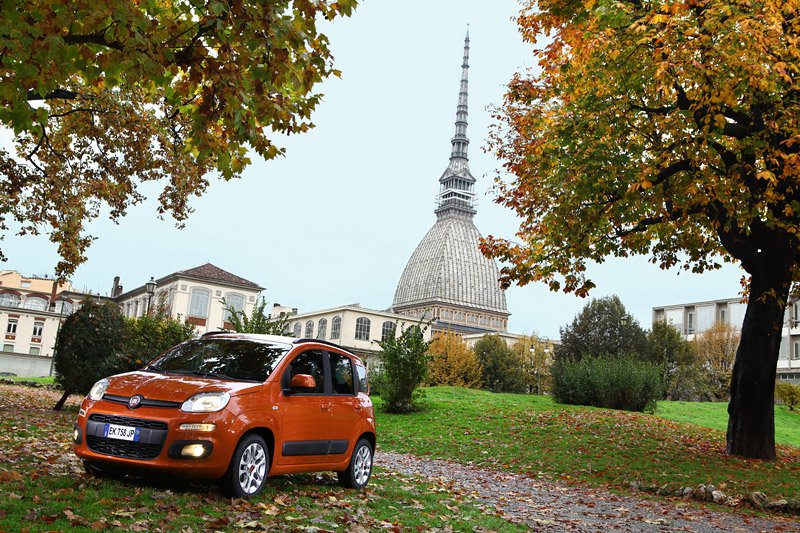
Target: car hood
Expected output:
[172,387]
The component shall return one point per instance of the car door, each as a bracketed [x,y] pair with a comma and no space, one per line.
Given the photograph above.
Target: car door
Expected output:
[305,413]
[345,404]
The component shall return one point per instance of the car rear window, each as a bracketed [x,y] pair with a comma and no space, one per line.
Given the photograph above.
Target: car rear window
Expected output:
[237,359]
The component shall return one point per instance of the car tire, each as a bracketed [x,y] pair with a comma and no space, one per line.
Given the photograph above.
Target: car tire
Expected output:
[247,473]
[360,468]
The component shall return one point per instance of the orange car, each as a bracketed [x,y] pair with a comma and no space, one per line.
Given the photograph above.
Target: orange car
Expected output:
[236,408]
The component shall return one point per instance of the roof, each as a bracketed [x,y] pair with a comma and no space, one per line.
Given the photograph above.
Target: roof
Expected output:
[448,267]
[214,273]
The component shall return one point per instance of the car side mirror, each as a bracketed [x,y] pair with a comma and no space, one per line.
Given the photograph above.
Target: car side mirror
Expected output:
[301,381]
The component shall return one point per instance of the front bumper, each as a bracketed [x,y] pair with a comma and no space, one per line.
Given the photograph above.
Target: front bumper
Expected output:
[160,445]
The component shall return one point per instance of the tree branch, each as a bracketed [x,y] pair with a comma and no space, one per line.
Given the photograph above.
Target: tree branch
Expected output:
[53,95]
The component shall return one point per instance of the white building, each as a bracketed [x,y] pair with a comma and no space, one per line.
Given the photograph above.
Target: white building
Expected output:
[31,311]
[694,318]
[195,295]
[353,327]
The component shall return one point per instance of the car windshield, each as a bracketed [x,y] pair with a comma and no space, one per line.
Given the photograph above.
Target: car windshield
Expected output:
[237,359]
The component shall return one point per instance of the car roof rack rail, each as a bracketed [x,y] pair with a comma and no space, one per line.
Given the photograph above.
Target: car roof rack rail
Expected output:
[217,332]
[320,341]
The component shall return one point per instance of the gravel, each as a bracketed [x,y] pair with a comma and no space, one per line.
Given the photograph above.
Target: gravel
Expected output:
[549,506]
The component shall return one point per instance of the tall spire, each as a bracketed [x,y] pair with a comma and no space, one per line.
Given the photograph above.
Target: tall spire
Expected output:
[456,190]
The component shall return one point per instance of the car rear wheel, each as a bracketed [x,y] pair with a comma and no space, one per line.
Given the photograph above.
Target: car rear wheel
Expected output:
[247,473]
[360,468]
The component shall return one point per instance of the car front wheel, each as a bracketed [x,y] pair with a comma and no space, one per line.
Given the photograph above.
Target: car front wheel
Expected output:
[247,473]
[360,468]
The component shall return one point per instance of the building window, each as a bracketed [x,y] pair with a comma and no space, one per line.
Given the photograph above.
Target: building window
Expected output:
[25,284]
[8,299]
[309,329]
[37,329]
[136,308]
[336,327]
[35,350]
[723,315]
[8,348]
[236,302]
[298,329]
[387,330]
[322,329]
[690,323]
[128,309]
[12,325]
[796,313]
[460,317]
[36,303]
[796,350]
[65,308]
[198,302]
[362,328]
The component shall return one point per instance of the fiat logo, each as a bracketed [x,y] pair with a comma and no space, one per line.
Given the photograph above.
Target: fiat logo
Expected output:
[135,401]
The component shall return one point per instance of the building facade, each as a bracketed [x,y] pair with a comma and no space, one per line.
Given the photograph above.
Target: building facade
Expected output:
[31,312]
[197,295]
[353,327]
[447,278]
[694,318]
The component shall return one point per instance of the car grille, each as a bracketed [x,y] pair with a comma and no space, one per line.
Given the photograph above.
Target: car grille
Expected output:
[125,421]
[151,437]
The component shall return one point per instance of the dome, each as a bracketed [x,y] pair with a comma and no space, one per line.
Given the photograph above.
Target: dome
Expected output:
[448,268]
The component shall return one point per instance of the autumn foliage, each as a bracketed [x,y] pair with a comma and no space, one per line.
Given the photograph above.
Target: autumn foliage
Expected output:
[452,362]
[665,129]
[105,96]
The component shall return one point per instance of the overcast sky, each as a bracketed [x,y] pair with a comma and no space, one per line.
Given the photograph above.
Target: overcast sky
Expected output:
[336,220]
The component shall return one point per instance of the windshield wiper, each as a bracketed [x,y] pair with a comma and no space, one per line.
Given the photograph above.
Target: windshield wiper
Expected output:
[153,368]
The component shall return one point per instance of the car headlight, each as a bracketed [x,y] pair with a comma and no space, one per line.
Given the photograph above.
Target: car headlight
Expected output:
[206,402]
[98,389]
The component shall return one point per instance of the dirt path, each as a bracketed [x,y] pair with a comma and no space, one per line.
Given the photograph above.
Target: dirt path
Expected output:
[548,506]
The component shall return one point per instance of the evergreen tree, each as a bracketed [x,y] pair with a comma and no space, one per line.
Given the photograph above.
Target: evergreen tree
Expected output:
[502,368]
[602,328]
[87,347]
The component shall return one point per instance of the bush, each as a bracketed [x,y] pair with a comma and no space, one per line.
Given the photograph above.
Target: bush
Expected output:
[788,394]
[452,362]
[87,347]
[146,337]
[405,363]
[621,382]
[502,368]
[376,378]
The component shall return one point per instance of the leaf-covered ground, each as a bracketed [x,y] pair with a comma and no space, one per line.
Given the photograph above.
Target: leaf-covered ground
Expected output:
[44,488]
[580,445]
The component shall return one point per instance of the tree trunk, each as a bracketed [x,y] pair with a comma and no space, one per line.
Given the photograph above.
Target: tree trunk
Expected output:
[751,422]
[60,403]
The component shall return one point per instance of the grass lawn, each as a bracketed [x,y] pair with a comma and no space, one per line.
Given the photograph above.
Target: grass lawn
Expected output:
[44,488]
[599,447]
[41,381]
[715,415]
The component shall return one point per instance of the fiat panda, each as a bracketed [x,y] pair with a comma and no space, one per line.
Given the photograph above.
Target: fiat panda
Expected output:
[236,408]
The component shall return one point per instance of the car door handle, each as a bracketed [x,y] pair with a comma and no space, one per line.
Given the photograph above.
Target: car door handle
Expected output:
[325,406]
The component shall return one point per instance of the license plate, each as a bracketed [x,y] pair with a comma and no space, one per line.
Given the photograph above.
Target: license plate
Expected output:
[113,431]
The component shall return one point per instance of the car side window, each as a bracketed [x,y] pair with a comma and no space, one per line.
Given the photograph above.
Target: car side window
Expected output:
[309,363]
[363,384]
[342,370]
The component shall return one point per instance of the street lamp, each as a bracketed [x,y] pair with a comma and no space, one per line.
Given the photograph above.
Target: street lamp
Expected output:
[623,321]
[150,287]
